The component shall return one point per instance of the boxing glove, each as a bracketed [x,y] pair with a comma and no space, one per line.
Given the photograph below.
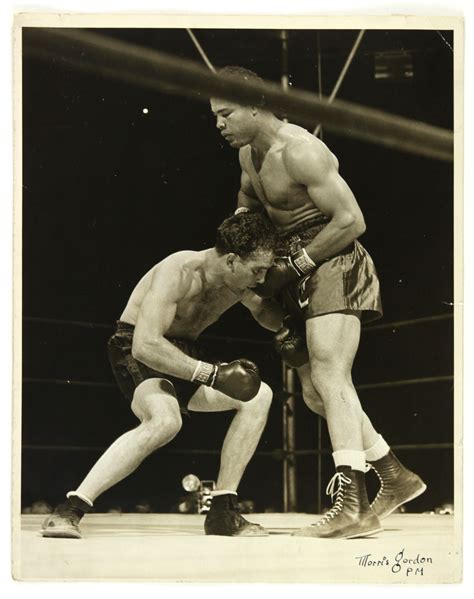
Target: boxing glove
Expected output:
[290,343]
[239,379]
[284,271]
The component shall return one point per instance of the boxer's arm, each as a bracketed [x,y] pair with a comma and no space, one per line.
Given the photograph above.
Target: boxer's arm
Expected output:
[155,318]
[313,166]
[267,312]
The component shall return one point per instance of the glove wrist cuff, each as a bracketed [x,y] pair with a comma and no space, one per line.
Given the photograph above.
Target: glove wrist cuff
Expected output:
[205,373]
[301,262]
[242,209]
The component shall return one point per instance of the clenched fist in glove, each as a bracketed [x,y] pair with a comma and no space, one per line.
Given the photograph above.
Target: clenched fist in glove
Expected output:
[285,271]
[290,343]
[238,379]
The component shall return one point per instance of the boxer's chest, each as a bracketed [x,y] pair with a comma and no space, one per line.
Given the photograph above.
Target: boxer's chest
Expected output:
[271,181]
[205,307]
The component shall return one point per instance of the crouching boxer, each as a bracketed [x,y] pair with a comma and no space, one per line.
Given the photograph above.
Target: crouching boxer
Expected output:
[161,369]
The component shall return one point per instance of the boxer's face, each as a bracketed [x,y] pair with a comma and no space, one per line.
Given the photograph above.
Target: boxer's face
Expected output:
[236,123]
[249,272]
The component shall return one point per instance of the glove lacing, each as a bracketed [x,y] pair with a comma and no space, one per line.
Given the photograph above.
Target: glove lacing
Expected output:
[341,480]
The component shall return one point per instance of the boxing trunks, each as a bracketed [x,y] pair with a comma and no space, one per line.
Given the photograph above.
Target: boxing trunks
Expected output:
[346,281]
[129,372]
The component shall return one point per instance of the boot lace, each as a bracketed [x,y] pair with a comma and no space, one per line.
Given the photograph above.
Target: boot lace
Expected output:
[335,488]
[380,492]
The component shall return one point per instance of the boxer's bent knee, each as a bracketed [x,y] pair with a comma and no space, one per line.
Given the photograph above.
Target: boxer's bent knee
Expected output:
[261,402]
[161,420]
[326,374]
[155,399]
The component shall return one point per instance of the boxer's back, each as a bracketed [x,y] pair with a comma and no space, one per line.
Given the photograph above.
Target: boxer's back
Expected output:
[201,303]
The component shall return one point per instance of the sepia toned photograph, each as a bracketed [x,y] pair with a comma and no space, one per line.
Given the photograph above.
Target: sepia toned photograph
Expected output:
[237,328]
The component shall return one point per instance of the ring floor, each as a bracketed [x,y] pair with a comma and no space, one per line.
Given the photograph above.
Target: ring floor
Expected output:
[413,548]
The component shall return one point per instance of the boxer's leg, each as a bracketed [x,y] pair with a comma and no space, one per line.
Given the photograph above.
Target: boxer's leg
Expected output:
[333,340]
[244,431]
[160,420]
[239,446]
[398,484]
[314,402]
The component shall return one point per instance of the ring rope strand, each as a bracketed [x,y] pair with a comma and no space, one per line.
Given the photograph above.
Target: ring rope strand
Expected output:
[274,453]
[378,327]
[147,68]
[363,387]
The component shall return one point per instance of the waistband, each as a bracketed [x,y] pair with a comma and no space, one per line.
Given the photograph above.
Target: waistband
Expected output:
[317,221]
[126,326]
[302,235]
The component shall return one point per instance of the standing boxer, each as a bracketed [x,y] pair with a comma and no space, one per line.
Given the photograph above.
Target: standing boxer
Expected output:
[326,277]
[161,370]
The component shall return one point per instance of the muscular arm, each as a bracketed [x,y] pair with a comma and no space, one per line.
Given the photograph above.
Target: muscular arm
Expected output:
[156,315]
[267,312]
[312,165]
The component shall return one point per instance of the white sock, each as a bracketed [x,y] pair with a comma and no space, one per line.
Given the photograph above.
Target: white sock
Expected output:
[349,457]
[222,492]
[377,451]
[81,496]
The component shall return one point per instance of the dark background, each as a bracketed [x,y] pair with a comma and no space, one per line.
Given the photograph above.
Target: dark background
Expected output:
[109,191]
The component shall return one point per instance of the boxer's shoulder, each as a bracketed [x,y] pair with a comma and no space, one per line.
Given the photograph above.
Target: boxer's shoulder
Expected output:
[181,272]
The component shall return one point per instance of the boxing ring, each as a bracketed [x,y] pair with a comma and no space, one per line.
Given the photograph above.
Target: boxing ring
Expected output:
[170,547]
[173,548]
[287,394]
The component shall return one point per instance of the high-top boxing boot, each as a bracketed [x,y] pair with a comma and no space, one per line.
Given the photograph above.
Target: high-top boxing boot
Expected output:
[224,519]
[351,515]
[64,521]
[398,485]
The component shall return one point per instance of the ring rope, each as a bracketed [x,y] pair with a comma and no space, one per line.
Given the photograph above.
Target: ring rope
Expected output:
[368,329]
[279,454]
[150,69]
[363,387]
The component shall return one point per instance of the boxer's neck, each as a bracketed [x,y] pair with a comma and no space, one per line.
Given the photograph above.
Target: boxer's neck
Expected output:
[214,268]
[267,133]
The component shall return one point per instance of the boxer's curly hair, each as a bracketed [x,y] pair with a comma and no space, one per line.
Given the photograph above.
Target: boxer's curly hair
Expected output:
[242,74]
[246,233]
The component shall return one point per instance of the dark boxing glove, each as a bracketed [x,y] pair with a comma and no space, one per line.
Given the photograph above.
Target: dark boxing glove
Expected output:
[290,343]
[238,379]
[285,271]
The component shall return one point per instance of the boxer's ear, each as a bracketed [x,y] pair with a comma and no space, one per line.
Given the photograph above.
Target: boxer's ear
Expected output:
[230,261]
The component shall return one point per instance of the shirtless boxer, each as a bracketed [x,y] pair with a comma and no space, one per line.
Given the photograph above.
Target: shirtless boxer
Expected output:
[162,371]
[325,277]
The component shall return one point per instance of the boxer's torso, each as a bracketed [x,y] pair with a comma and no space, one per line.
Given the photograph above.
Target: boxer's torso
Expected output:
[286,201]
[201,305]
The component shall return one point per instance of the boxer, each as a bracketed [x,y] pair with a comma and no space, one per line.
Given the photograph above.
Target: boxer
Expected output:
[162,370]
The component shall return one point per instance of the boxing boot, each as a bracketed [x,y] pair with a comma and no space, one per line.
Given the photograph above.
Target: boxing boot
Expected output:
[351,515]
[398,485]
[224,519]
[64,521]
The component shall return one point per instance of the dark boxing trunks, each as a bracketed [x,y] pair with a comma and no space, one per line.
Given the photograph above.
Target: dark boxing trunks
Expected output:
[129,372]
[347,281]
